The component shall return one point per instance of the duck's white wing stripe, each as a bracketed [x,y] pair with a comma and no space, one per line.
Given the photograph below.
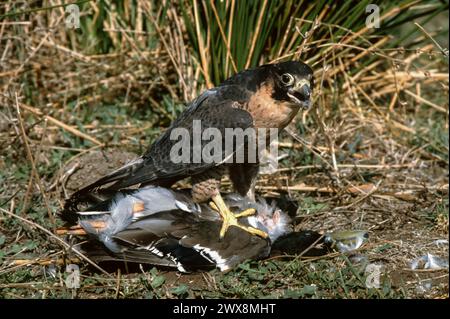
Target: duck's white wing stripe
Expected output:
[213,256]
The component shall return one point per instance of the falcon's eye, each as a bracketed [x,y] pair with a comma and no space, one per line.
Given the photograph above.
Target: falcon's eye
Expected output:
[287,79]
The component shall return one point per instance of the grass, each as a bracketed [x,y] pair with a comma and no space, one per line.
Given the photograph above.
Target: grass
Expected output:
[380,118]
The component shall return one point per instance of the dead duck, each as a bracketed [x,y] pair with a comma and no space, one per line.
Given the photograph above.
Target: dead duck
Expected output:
[160,226]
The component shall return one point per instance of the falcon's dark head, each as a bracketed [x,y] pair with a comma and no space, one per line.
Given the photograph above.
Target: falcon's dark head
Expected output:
[290,81]
[293,82]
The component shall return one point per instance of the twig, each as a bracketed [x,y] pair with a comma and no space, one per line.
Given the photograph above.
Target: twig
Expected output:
[295,259]
[62,125]
[116,295]
[44,262]
[306,188]
[222,33]
[65,176]
[299,139]
[201,45]
[31,159]
[306,258]
[9,198]
[169,52]
[356,166]
[256,34]
[443,50]
[63,243]
[373,190]
[230,27]
[421,99]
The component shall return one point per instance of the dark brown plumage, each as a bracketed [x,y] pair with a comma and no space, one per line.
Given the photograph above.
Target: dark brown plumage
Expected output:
[268,96]
[160,226]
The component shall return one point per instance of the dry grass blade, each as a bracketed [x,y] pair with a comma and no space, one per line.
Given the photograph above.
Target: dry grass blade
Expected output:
[32,163]
[202,49]
[62,125]
[256,33]
[295,259]
[60,241]
[422,100]
[443,50]
[225,40]
[45,262]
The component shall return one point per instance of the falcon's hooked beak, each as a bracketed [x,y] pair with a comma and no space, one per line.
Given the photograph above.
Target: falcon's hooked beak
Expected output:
[300,93]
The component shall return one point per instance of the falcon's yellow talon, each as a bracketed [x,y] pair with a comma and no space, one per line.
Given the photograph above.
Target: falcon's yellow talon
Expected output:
[213,206]
[254,231]
[230,219]
[247,212]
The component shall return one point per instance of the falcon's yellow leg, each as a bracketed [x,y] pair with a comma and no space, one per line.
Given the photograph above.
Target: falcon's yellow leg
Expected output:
[230,219]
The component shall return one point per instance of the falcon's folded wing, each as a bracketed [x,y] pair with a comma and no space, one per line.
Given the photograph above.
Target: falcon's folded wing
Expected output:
[215,108]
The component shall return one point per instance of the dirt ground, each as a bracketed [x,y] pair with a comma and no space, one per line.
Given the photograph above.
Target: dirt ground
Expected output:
[371,154]
[399,230]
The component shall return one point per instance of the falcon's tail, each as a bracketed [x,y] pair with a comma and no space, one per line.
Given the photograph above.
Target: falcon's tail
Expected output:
[92,194]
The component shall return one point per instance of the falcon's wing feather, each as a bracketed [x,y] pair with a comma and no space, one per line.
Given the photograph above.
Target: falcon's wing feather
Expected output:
[215,109]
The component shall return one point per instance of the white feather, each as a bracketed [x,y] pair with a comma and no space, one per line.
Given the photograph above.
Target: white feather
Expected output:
[214,257]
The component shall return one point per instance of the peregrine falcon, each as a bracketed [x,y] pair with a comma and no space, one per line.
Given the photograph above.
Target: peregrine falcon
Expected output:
[160,226]
[268,96]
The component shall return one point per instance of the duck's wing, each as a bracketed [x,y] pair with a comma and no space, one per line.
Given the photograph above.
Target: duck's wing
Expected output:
[181,240]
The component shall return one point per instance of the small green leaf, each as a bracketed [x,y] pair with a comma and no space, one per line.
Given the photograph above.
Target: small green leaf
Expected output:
[292,294]
[180,290]
[245,266]
[383,248]
[15,249]
[158,281]
[308,290]
[31,245]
